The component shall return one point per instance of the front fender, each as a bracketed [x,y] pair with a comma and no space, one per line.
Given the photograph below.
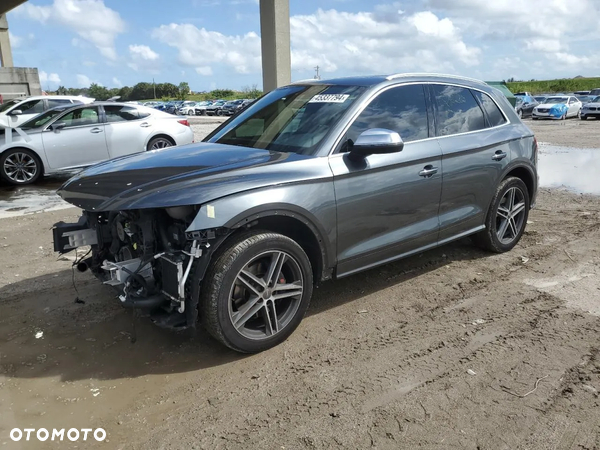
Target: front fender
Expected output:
[312,203]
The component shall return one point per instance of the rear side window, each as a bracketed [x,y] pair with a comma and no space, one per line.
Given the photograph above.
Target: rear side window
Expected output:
[31,107]
[457,110]
[494,114]
[401,109]
[118,113]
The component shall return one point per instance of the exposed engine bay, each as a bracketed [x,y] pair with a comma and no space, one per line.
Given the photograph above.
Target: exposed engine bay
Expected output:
[147,255]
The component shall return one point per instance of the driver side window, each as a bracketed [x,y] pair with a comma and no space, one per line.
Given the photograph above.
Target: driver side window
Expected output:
[81,117]
[401,109]
[31,107]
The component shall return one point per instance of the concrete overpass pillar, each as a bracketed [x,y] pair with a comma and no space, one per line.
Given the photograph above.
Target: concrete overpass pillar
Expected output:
[275,43]
[6,59]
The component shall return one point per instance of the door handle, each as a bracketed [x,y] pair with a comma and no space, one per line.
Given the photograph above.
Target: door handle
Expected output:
[145,125]
[499,155]
[428,171]
[96,130]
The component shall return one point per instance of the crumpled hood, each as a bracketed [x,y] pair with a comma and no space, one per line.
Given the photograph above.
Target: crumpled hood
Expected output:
[186,175]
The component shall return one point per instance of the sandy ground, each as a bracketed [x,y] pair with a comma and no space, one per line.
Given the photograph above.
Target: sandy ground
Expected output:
[453,348]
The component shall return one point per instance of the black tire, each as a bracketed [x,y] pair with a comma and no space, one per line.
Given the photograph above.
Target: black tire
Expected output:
[221,281]
[583,117]
[219,112]
[158,142]
[32,166]
[488,239]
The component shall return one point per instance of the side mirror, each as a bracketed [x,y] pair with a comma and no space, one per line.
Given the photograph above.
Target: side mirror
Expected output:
[377,141]
[16,112]
[58,126]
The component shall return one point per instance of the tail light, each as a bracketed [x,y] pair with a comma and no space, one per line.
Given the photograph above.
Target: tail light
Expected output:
[184,122]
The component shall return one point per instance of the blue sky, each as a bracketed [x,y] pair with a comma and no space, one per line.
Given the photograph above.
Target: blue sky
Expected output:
[216,43]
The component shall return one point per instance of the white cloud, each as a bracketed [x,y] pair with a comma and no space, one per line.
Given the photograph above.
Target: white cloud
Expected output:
[143,52]
[198,47]
[49,80]
[143,58]
[92,20]
[204,70]
[117,82]
[83,80]
[15,41]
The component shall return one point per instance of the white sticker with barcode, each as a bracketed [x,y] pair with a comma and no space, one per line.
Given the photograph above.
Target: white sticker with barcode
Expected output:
[329,98]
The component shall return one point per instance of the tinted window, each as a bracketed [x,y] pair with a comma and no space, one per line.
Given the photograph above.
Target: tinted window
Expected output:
[118,113]
[457,110]
[32,107]
[494,114]
[58,102]
[80,117]
[402,109]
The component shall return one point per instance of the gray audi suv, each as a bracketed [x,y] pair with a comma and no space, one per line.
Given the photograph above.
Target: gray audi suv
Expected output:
[313,181]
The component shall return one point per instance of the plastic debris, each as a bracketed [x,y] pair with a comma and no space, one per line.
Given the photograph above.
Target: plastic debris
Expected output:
[471,372]
[478,321]
[39,334]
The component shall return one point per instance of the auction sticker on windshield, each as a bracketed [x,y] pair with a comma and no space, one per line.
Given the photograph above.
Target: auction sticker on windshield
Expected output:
[329,98]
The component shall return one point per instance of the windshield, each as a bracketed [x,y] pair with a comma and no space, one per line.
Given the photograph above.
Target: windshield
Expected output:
[9,104]
[556,100]
[291,119]
[44,118]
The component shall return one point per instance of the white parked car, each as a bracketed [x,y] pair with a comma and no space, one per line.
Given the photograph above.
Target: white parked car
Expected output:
[187,108]
[72,137]
[19,110]
[557,107]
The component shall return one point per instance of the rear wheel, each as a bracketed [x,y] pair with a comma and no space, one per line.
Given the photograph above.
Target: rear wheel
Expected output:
[20,166]
[159,142]
[506,218]
[256,291]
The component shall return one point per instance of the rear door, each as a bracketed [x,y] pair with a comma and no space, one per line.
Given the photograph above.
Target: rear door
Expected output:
[469,126]
[80,143]
[387,204]
[126,130]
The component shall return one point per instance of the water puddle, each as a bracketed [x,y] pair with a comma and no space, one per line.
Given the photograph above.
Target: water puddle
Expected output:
[577,169]
[20,200]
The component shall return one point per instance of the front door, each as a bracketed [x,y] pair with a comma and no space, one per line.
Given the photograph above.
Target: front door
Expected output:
[387,205]
[80,143]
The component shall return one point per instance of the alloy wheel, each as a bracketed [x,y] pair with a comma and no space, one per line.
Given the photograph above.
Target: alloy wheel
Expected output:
[160,143]
[20,167]
[266,295]
[510,215]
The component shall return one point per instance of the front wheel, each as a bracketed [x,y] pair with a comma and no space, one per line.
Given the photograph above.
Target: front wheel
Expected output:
[256,291]
[506,218]
[20,166]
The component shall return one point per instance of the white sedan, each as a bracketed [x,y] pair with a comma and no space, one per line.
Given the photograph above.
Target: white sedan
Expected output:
[71,137]
[19,110]
[557,107]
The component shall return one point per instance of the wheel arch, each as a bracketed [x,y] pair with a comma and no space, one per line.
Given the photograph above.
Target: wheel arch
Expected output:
[526,175]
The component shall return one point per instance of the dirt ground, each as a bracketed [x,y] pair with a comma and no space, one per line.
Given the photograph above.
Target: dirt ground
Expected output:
[453,348]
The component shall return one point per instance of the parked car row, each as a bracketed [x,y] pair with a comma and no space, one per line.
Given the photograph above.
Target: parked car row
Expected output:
[557,106]
[201,108]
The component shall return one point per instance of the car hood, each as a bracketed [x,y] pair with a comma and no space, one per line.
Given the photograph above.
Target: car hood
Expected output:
[594,104]
[551,105]
[187,175]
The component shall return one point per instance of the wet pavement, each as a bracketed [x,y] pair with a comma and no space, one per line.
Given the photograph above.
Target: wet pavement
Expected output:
[576,169]
[19,200]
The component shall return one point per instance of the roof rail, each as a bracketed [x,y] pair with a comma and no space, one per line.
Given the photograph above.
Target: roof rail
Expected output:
[306,80]
[401,75]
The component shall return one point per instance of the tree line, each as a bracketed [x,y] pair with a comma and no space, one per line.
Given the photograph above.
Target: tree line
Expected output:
[145,91]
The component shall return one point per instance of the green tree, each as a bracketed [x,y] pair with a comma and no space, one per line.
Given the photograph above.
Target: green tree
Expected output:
[142,91]
[98,92]
[184,90]
[61,90]
[125,93]
[222,93]
[252,91]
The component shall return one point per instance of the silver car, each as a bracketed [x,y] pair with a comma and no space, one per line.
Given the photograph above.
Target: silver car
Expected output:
[72,137]
[591,109]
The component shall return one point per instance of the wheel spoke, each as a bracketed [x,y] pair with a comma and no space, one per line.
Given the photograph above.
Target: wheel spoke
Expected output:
[513,227]
[277,260]
[517,209]
[270,317]
[502,230]
[503,212]
[511,199]
[248,278]
[287,290]
[251,307]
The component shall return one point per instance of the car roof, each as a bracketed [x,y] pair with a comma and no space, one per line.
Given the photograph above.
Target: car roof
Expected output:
[373,80]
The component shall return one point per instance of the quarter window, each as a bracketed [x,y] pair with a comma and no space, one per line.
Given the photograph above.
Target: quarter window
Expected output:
[494,115]
[457,110]
[119,113]
[80,117]
[58,102]
[402,109]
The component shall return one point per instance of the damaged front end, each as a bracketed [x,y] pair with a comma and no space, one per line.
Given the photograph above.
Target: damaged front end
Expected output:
[148,255]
